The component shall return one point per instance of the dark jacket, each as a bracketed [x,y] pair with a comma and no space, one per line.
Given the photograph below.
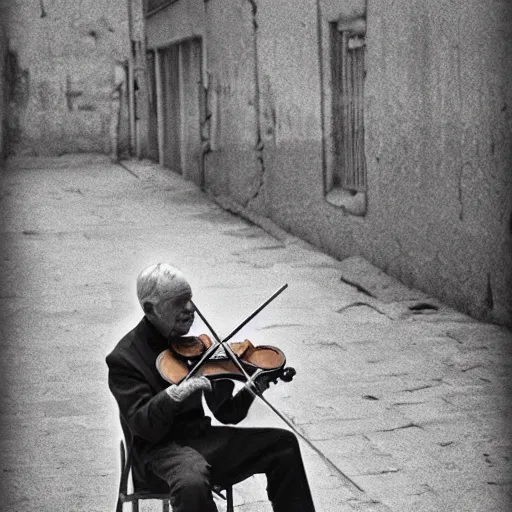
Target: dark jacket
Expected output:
[149,417]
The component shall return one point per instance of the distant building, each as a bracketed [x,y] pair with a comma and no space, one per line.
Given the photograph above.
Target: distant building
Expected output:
[377,128]
[64,65]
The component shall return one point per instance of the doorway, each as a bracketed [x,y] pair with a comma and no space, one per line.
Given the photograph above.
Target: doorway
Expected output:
[181,90]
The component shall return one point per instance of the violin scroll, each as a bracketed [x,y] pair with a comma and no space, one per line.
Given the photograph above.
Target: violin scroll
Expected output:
[288,374]
[267,377]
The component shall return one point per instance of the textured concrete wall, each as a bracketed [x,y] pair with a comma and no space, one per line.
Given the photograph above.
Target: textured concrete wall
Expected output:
[178,21]
[3,99]
[65,55]
[291,115]
[438,95]
[290,108]
[439,128]
[234,165]
[437,133]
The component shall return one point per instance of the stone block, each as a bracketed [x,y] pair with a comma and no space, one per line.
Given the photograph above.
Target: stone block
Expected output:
[428,410]
[333,429]
[361,460]
[395,490]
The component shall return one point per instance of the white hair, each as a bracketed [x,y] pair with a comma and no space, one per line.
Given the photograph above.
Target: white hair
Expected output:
[160,281]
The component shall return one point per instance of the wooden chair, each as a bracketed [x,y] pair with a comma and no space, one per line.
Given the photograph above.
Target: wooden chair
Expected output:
[135,497]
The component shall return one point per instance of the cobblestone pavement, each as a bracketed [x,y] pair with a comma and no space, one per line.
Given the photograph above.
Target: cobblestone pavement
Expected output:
[401,394]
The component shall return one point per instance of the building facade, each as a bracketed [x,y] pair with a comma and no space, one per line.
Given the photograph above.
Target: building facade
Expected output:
[376,128]
[65,67]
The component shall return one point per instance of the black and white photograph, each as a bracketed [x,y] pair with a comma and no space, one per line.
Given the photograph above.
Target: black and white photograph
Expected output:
[256,255]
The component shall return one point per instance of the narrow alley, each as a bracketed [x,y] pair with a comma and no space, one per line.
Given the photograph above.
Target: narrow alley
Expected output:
[405,398]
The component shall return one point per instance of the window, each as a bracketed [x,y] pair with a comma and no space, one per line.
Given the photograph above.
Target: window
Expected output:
[347,183]
[348,128]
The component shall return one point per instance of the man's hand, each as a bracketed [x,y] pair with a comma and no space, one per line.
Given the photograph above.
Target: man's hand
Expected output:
[262,382]
[179,393]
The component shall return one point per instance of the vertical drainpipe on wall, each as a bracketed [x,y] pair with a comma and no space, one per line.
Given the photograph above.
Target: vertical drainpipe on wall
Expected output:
[159,108]
[140,77]
[137,135]
[115,112]
[144,85]
[131,91]
[181,94]
[136,116]
[205,128]
[131,105]
[327,176]
[259,146]
[208,109]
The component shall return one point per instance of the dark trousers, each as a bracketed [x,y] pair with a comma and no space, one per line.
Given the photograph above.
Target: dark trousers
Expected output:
[227,455]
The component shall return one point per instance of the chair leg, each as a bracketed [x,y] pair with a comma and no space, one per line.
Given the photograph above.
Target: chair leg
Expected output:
[119,506]
[229,499]
[165,506]
[135,506]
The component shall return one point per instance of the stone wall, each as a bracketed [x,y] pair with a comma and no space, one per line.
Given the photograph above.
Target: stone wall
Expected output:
[62,73]
[437,133]
[438,96]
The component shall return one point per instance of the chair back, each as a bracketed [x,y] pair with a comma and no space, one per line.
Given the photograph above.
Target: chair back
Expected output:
[126,457]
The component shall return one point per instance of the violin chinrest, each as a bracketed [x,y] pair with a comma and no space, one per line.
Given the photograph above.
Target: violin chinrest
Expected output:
[191,347]
[240,348]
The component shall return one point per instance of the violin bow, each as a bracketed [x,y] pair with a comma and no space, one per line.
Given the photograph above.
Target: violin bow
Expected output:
[249,381]
[221,343]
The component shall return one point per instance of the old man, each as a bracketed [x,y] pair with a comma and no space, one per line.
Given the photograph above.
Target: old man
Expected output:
[176,449]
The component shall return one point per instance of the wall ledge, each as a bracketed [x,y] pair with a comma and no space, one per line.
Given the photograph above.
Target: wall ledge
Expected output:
[354,204]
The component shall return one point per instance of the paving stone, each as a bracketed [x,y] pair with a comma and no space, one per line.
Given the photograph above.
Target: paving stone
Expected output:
[373,506]
[332,429]
[435,409]
[384,488]
[360,461]
[358,271]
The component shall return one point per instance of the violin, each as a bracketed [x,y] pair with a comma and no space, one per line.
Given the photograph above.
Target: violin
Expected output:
[175,363]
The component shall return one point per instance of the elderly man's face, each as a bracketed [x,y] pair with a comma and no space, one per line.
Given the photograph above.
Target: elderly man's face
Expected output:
[176,314]
[173,314]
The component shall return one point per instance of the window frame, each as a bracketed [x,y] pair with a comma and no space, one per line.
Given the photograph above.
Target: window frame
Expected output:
[338,190]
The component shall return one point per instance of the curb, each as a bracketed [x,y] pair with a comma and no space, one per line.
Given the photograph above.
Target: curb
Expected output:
[267,225]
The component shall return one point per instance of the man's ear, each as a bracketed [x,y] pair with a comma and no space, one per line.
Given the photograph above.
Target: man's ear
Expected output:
[148,308]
